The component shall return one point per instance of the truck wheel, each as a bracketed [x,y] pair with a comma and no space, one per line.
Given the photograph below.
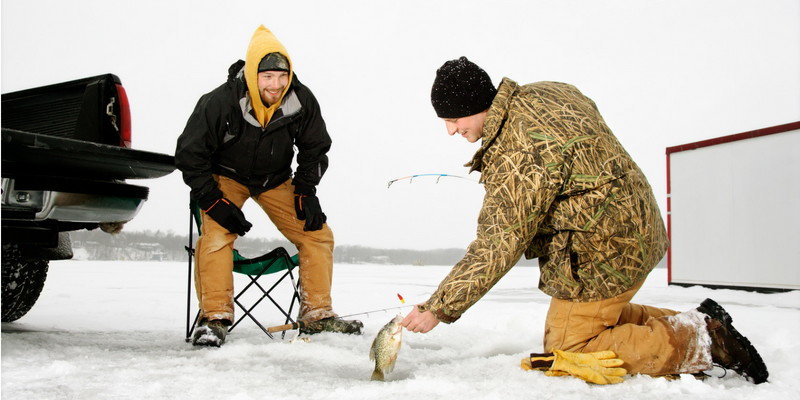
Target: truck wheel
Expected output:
[23,280]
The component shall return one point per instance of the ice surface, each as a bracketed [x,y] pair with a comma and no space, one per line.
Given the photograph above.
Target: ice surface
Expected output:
[115,330]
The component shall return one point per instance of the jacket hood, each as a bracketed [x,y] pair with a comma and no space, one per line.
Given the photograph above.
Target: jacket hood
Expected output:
[263,43]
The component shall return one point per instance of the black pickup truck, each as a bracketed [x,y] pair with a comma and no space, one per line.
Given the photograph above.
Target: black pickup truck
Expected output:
[65,158]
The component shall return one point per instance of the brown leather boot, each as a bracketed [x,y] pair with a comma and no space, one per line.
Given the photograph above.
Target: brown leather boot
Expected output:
[729,348]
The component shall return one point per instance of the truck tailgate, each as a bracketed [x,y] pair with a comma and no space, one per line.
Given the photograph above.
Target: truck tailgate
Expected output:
[30,154]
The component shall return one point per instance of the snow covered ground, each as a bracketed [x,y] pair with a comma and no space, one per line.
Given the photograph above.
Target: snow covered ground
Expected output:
[115,330]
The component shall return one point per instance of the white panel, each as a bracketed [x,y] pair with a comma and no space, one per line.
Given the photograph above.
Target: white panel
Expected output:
[735,213]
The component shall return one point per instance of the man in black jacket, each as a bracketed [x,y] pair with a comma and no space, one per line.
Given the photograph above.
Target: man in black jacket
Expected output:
[238,144]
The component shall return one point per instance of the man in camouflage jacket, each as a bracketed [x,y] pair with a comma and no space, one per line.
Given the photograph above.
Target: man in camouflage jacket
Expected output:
[561,188]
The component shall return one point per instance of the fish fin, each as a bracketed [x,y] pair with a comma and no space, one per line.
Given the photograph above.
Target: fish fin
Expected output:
[390,367]
[372,352]
[377,376]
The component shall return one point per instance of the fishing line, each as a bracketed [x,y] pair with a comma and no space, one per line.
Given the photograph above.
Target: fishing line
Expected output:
[367,313]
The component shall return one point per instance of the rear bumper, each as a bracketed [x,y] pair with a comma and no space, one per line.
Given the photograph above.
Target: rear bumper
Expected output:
[53,184]
[39,205]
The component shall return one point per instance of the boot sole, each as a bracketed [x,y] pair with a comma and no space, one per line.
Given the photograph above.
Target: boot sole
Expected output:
[203,343]
[756,371]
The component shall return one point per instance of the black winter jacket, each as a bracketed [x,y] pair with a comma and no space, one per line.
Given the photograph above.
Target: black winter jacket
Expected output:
[223,137]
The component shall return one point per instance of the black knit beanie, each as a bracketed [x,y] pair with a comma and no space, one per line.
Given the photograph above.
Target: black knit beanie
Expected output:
[461,89]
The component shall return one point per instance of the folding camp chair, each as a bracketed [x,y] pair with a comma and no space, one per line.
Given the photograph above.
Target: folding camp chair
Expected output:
[273,262]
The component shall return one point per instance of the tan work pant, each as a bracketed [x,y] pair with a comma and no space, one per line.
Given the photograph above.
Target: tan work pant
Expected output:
[648,339]
[213,271]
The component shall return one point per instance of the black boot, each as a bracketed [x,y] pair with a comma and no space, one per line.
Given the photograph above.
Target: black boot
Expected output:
[210,333]
[729,348]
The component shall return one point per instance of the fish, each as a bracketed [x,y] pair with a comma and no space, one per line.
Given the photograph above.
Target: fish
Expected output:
[385,348]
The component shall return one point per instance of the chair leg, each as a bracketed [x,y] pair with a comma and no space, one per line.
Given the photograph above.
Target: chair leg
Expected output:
[189,331]
[295,295]
[266,293]
[190,251]
[247,312]
[295,298]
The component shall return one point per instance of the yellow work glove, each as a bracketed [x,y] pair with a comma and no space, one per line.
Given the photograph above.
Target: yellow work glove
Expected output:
[598,367]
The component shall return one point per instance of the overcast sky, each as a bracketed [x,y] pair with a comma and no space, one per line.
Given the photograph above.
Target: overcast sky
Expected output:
[662,73]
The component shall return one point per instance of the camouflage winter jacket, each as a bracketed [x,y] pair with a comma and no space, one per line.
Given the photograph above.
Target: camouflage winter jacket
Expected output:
[560,187]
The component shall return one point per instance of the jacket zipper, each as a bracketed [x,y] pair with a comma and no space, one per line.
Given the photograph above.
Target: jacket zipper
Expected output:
[272,148]
[271,155]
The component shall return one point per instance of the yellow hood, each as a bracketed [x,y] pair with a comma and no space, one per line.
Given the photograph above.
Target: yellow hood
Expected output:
[263,43]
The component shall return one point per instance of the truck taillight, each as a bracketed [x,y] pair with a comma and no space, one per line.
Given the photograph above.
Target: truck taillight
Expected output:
[125,117]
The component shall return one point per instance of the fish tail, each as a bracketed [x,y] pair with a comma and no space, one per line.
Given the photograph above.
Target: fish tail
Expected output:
[377,376]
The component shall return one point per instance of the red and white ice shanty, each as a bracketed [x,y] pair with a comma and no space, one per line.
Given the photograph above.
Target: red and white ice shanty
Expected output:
[733,211]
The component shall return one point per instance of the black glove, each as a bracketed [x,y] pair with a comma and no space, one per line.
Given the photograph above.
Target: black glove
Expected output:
[228,216]
[306,204]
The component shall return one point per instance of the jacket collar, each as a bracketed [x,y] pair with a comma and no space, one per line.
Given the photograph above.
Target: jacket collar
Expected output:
[495,118]
[290,105]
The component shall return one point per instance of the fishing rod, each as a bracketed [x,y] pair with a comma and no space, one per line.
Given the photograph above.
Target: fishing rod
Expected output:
[303,324]
[376,311]
[411,178]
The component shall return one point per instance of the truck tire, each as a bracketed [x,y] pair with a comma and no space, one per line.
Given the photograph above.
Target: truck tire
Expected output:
[23,280]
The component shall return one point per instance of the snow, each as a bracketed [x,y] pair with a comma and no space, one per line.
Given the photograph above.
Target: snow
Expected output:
[115,330]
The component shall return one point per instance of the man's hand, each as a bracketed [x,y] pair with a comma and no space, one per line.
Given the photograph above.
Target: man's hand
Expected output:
[306,205]
[418,322]
[228,216]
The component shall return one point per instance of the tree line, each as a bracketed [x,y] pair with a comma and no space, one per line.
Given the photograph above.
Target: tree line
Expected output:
[168,246]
